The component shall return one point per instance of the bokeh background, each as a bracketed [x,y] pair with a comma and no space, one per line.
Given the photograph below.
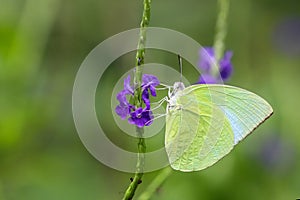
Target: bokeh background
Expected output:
[42,44]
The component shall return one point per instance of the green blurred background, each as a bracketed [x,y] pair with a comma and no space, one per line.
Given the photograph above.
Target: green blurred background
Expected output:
[42,44]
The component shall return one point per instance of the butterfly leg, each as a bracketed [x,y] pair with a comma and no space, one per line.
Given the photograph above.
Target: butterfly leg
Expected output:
[160,102]
[156,117]
[167,87]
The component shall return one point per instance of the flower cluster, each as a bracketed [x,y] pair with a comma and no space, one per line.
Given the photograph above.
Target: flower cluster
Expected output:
[138,116]
[206,62]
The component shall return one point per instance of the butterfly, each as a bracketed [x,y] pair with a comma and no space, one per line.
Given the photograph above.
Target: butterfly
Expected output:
[205,121]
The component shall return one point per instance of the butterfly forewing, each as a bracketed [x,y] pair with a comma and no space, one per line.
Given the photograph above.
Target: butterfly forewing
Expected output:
[244,109]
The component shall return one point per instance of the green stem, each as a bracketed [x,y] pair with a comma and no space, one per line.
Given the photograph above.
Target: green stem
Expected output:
[221,28]
[140,56]
[156,183]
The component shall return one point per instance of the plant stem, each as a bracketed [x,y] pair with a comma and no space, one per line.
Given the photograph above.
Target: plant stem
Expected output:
[140,56]
[156,183]
[221,28]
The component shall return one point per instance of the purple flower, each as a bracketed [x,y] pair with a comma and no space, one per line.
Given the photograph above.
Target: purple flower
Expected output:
[123,109]
[207,79]
[137,115]
[226,66]
[145,98]
[127,86]
[141,117]
[207,57]
[150,82]
[206,62]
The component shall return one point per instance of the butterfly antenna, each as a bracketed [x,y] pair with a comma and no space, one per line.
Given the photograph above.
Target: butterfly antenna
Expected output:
[180,65]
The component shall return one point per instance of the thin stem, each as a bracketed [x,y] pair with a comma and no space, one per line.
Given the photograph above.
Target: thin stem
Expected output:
[139,167]
[140,56]
[221,28]
[156,183]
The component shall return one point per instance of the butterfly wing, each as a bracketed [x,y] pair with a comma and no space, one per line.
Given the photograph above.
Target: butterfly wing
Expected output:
[207,121]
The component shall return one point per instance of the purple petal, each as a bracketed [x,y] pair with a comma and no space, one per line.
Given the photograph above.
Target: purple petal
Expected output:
[127,86]
[141,117]
[152,90]
[122,111]
[207,79]
[207,57]
[145,94]
[149,80]
[138,116]
[121,96]
[226,66]
[145,98]
[147,116]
